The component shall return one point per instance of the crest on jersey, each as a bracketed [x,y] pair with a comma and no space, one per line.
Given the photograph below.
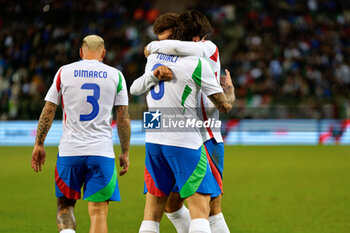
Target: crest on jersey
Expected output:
[152,120]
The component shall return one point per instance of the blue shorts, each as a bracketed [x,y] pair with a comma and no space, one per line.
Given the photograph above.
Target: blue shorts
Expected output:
[183,170]
[215,155]
[98,175]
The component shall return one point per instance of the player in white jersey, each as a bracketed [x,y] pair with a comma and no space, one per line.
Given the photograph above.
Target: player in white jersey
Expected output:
[88,90]
[213,142]
[142,84]
[202,48]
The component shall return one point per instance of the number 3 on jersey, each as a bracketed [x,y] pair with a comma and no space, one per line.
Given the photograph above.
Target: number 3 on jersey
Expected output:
[92,99]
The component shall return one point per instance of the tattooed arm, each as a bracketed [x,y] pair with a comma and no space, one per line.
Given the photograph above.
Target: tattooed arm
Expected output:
[221,102]
[224,101]
[45,122]
[227,86]
[123,125]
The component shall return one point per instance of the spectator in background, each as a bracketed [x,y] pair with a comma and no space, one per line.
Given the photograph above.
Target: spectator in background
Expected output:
[281,53]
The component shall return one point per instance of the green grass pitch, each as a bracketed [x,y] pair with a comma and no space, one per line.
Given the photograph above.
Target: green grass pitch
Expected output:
[268,189]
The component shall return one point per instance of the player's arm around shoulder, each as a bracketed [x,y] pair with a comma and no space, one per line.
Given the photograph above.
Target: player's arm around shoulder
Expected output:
[209,46]
[144,83]
[175,47]
[44,125]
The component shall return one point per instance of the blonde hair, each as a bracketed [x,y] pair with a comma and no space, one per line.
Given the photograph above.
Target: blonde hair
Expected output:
[93,42]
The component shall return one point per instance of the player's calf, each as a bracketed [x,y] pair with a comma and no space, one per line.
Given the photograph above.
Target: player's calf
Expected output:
[154,207]
[215,205]
[98,216]
[153,212]
[65,215]
[174,203]
[198,205]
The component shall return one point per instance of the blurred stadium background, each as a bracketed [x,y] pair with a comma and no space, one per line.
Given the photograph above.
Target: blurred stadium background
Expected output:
[289,61]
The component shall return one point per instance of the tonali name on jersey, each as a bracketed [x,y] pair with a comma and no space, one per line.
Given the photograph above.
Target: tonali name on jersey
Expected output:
[88,90]
[165,57]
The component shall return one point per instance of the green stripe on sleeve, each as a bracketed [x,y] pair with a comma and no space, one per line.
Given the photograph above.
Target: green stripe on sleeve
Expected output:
[185,94]
[105,193]
[212,69]
[120,84]
[193,182]
[197,74]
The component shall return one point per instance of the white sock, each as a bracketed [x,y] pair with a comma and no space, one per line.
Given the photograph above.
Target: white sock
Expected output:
[181,219]
[149,227]
[218,224]
[199,225]
[67,231]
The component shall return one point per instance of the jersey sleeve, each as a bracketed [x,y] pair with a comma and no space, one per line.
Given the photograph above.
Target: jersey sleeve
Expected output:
[121,97]
[55,92]
[212,53]
[209,49]
[209,84]
[176,47]
[143,83]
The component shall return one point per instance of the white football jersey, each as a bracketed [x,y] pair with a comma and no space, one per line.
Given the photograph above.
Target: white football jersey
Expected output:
[205,49]
[88,90]
[180,96]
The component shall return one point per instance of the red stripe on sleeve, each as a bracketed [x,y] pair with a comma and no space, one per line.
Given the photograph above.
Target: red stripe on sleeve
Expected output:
[65,115]
[58,81]
[214,57]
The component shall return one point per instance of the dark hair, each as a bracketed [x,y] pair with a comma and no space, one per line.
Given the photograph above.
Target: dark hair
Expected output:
[191,24]
[165,22]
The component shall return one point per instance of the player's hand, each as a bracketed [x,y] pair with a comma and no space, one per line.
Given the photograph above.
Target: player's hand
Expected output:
[226,81]
[163,73]
[38,157]
[124,163]
[146,52]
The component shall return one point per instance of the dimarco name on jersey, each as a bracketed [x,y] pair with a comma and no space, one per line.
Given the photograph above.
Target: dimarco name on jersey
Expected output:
[90,74]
